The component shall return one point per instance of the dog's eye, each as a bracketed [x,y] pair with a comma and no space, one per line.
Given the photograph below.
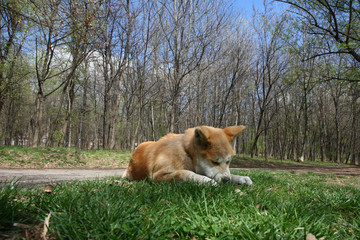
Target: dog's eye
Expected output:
[227,162]
[216,163]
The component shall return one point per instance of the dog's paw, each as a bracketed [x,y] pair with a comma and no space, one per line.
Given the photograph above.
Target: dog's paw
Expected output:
[209,181]
[242,180]
[247,181]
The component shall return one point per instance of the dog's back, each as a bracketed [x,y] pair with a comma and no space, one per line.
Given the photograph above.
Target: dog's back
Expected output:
[138,167]
[147,158]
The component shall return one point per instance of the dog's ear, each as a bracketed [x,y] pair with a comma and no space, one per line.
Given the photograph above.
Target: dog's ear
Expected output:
[233,131]
[201,137]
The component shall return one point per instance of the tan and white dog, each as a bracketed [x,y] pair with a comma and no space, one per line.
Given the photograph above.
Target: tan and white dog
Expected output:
[201,154]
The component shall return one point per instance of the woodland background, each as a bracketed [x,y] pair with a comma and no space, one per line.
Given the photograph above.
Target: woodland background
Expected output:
[109,74]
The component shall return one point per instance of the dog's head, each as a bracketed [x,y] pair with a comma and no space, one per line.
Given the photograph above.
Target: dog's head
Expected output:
[214,151]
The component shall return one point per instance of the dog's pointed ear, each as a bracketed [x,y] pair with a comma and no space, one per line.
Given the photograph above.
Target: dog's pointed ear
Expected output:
[233,131]
[201,137]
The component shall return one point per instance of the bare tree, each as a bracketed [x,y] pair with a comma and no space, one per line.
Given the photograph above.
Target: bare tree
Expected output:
[355,111]
[237,58]
[46,14]
[79,43]
[118,20]
[146,31]
[268,69]
[187,28]
[14,30]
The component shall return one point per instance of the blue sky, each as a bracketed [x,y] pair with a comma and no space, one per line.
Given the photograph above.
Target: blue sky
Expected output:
[245,7]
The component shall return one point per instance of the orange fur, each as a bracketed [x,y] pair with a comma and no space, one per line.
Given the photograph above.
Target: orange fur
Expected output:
[201,154]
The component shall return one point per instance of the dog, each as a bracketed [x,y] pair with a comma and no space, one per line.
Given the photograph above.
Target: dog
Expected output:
[201,154]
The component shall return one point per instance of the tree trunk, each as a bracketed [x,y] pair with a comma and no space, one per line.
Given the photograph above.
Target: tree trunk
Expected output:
[355,147]
[134,138]
[83,111]
[257,132]
[36,122]
[9,129]
[114,113]
[265,141]
[66,129]
[337,129]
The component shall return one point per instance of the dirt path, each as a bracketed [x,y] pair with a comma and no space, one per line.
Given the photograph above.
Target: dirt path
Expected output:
[29,177]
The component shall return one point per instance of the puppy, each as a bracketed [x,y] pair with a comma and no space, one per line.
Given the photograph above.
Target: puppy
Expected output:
[201,154]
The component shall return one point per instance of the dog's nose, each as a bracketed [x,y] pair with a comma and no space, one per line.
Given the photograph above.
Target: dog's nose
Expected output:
[225,179]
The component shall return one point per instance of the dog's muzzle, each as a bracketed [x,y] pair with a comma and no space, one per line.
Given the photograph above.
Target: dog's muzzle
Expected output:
[225,179]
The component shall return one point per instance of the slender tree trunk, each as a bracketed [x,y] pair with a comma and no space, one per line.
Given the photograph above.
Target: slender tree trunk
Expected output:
[83,111]
[355,147]
[305,127]
[107,97]
[337,129]
[114,115]
[66,129]
[136,131]
[257,132]
[152,122]
[36,122]
[266,141]
[9,129]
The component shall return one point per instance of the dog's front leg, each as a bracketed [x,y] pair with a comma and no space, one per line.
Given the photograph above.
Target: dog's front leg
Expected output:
[241,180]
[200,178]
[183,175]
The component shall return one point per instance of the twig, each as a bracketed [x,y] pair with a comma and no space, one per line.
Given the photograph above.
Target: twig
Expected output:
[46,227]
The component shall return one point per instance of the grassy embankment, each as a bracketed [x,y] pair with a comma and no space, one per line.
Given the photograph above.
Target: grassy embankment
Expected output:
[46,157]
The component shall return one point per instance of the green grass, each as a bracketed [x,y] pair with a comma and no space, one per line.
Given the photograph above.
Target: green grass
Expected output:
[280,205]
[46,157]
